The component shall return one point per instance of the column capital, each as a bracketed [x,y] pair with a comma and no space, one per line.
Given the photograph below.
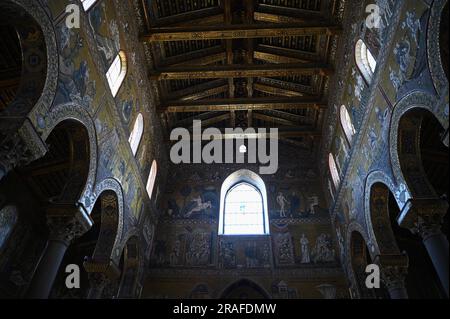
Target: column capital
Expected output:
[67,222]
[423,216]
[394,269]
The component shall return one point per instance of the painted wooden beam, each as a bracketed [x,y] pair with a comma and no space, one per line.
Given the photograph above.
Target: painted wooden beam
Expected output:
[197,57]
[188,17]
[198,91]
[285,53]
[237,31]
[242,104]
[291,132]
[276,90]
[240,71]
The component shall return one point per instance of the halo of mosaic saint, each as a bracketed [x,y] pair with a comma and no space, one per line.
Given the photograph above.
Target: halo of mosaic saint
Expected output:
[346,101]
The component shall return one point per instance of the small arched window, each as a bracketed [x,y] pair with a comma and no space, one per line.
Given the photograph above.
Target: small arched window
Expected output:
[334,171]
[116,73]
[243,205]
[151,179]
[136,133]
[347,124]
[87,4]
[365,60]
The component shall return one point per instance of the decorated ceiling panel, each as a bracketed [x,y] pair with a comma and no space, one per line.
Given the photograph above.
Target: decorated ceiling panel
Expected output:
[252,63]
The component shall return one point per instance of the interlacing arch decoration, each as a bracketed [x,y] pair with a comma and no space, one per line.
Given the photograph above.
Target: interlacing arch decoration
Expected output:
[404,139]
[350,253]
[110,193]
[43,73]
[34,83]
[61,175]
[377,215]
[74,112]
[434,42]
[405,143]
[132,267]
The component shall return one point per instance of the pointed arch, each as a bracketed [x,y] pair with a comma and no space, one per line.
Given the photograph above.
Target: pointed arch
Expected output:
[244,286]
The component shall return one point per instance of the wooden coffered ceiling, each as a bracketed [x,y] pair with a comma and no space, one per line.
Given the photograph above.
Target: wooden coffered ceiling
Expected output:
[243,63]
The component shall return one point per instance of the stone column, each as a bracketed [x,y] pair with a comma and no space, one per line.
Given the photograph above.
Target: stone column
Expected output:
[424,217]
[20,144]
[65,222]
[393,269]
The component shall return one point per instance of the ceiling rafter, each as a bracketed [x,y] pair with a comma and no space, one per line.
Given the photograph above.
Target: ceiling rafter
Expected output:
[242,104]
[269,118]
[286,115]
[198,57]
[240,71]
[266,64]
[199,91]
[186,18]
[286,85]
[303,56]
[276,90]
[237,31]
[276,18]
[291,12]
[283,132]
[203,116]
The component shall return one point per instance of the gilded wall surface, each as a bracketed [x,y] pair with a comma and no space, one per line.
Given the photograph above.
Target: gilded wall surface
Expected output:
[300,252]
[409,75]
[76,88]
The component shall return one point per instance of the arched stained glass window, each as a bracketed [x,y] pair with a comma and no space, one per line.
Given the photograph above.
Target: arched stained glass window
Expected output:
[136,133]
[116,73]
[334,171]
[243,211]
[365,60]
[243,206]
[347,124]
